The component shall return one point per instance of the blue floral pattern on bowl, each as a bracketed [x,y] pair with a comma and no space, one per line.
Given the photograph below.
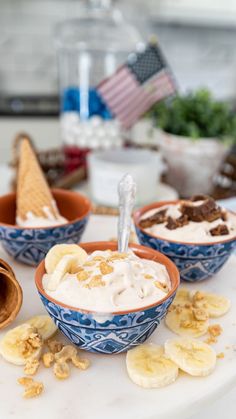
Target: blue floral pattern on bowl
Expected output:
[195,262]
[31,245]
[114,333]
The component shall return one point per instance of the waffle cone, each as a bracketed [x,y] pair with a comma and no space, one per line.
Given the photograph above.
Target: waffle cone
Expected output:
[10,297]
[33,193]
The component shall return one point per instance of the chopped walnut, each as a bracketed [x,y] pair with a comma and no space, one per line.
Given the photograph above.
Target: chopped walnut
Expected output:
[31,366]
[30,341]
[200,314]
[211,340]
[66,354]
[54,346]
[89,263]
[98,258]
[105,268]
[96,281]
[25,381]
[82,275]
[198,296]
[33,390]
[61,370]
[82,364]
[161,286]
[48,359]
[117,256]
[147,276]
[221,355]
[215,330]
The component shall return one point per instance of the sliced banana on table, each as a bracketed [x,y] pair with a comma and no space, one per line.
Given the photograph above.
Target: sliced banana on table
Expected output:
[182,297]
[148,367]
[44,324]
[215,305]
[187,321]
[57,252]
[21,344]
[192,356]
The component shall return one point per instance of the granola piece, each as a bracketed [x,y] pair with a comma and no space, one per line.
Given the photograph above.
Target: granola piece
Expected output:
[82,364]
[25,381]
[61,370]
[161,286]
[66,354]
[96,281]
[220,230]
[33,390]
[31,366]
[200,314]
[54,346]
[208,210]
[173,223]
[82,275]
[215,330]
[158,218]
[48,359]
[105,268]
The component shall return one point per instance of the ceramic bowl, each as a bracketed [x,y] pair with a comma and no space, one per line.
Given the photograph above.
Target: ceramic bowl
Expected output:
[30,245]
[195,261]
[114,332]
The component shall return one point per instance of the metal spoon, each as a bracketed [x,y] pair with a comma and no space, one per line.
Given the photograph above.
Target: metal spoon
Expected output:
[126,191]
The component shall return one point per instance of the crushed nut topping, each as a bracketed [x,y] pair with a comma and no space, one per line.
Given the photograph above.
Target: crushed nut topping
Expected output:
[82,275]
[61,370]
[200,314]
[147,276]
[31,366]
[96,281]
[82,364]
[48,359]
[161,286]
[54,345]
[33,390]
[66,354]
[30,341]
[215,330]
[221,355]
[25,381]
[105,268]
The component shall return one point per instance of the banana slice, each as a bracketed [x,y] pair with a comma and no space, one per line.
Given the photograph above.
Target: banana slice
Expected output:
[215,305]
[68,264]
[21,344]
[148,367]
[57,252]
[187,321]
[192,356]
[182,297]
[44,324]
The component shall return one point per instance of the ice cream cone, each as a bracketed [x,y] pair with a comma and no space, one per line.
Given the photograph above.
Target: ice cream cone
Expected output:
[33,193]
[10,297]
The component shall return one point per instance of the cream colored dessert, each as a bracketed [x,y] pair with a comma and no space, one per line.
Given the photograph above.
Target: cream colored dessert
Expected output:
[191,231]
[49,220]
[107,281]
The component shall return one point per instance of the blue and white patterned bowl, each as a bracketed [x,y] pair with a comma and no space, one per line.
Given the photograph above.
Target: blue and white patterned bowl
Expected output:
[114,332]
[195,261]
[30,245]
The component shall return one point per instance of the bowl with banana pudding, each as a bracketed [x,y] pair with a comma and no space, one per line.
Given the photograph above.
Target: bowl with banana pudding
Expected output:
[105,301]
[196,234]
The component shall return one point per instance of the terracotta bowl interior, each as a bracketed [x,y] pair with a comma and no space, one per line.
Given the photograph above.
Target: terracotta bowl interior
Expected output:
[10,298]
[141,251]
[71,205]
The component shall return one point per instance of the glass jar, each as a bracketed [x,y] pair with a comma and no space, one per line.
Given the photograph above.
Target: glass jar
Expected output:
[90,48]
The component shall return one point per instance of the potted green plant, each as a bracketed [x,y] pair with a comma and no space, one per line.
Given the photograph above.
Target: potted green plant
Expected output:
[194,132]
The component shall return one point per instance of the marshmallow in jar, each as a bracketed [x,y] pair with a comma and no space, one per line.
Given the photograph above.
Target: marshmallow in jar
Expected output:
[107,167]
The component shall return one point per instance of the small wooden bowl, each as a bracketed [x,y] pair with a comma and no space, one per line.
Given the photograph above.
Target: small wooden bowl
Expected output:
[10,295]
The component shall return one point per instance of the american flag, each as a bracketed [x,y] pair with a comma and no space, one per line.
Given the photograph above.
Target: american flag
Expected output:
[145,79]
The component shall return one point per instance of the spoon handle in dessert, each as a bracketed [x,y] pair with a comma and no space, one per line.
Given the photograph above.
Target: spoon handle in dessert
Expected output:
[126,191]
